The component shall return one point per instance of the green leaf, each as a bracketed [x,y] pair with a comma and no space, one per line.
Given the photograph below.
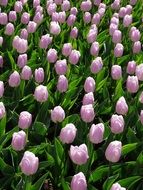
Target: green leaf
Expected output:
[65,185]
[130,181]
[59,149]
[128,148]
[39,183]
[2,126]
[108,183]
[40,128]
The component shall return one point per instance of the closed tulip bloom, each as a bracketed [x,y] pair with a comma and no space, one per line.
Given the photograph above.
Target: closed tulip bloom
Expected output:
[74,33]
[97,2]
[141,97]
[1,61]
[55,16]
[1,40]
[96,65]
[41,93]
[115,5]
[9,29]
[25,120]
[68,133]
[113,151]
[116,72]
[65,5]
[116,15]
[1,89]
[29,163]
[18,6]
[86,5]
[112,28]
[24,34]
[91,36]
[131,67]
[58,2]
[57,114]
[129,9]
[51,8]
[121,106]
[117,36]
[3,18]
[38,18]
[88,98]
[94,50]
[127,20]
[52,55]
[96,133]
[12,16]
[135,35]
[87,17]
[66,50]
[89,85]
[22,60]
[74,57]
[74,11]
[55,28]
[137,47]
[2,110]
[117,124]
[45,41]
[14,79]
[114,20]
[133,28]
[62,84]
[79,182]
[62,17]
[96,19]
[20,44]
[101,11]
[139,72]
[36,3]
[122,12]
[25,18]
[117,186]
[31,27]
[133,2]
[141,116]
[71,20]
[39,75]
[118,50]
[18,140]
[39,9]
[26,73]
[4,2]
[87,113]
[23,2]
[132,84]
[61,67]
[79,154]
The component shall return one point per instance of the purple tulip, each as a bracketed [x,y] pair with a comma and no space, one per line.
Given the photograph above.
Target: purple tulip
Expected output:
[18,140]
[2,110]
[79,182]
[87,113]
[62,84]
[25,120]
[96,133]
[57,114]
[41,93]
[117,124]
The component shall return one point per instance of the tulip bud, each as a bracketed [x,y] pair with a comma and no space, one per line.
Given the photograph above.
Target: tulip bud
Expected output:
[24,34]
[133,2]
[88,98]
[96,18]
[141,97]
[101,11]
[18,6]
[131,67]
[121,106]
[61,67]
[117,36]
[122,12]
[68,133]
[114,20]
[132,84]
[118,50]
[89,85]
[62,17]
[25,120]
[12,16]
[87,113]
[38,18]
[26,73]
[129,9]
[52,55]
[141,116]
[117,124]
[31,27]
[18,140]
[66,50]
[112,28]
[41,93]
[58,2]
[62,84]
[3,18]
[25,18]
[4,3]
[87,17]
[1,89]
[29,163]
[137,47]
[115,5]
[96,65]
[96,133]
[39,9]
[9,30]
[22,60]
[51,8]
[79,182]
[2,110]
[1,40]
[20,44]
[39,75]
[45,41]
[127,20]
[117,186]
[79,154]
[113,151]
[135,35]
[86,5]
[94,50]
[97,2]
[139,72]
[57,114]
[23,2]
[55,28]
[74,33]
[91,36]
[116,72]
[71,20]
[14,79]
[74,11]
[55,16]
[74,57]
[1,61]
[65,5]
[36,3]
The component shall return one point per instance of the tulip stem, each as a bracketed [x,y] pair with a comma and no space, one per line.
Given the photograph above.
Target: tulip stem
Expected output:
[110,169]
[27,184]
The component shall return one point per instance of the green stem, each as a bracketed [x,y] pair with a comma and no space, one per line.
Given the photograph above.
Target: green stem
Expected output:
[27,184]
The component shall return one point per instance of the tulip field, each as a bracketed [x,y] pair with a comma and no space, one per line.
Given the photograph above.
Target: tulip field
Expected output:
[71,95]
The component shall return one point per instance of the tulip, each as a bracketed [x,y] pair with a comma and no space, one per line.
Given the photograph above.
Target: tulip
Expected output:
[127,20]
[132,84]
[74,11]
[86,5]
[114,20]
[25,120]
[117,36]
[131,67]
[118,50]
[36,3]
[24,34]
[133,2]
[62,17]
[25,18]
[45,41]
[97,2]
[116,72]
[2,110]
[121,106]
[1,40]
[117,186]
[52,55]
[57,114]
[62,84]
[14,79]
[96,18]
[18,140]
[79,182]
[38,18]
[112,28]
[141,97]
[9,29]
[129,9]
[122,12]
[87,113]
[135,35]
[1,61]
[88,98]
[39,75]
[1,89]
[79,154]
[61,67]
[51,8]
[31,27]
[71,20]
[117,124]
[96,133]
[87,17]
[41,93]
[3,18]
[66,50]
[96,65]
[89,85]
[22,60]
[74,33]
[74,57]
[26,73]
[4,3]
[139,72]
[12,16]
[141,116]
[94,50]
[18,6]
[137,47]
[65,5]
[115,5]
